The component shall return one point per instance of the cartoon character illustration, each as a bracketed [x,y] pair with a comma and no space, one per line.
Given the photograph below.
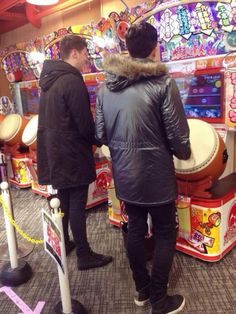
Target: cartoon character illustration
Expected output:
[23,172]
[6,106]
[214,220]
[232,217]
[102,183]
[121,29]
[230,233]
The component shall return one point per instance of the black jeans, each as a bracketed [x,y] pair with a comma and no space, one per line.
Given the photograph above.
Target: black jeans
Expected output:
[73,203]
[164,225]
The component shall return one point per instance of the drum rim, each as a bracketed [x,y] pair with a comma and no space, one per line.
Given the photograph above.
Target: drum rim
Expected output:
[106,147]
[19,119]
[32,140]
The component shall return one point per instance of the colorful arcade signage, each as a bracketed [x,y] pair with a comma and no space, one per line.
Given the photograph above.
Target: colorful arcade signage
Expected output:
[194,28]
[229,63]
[187,29]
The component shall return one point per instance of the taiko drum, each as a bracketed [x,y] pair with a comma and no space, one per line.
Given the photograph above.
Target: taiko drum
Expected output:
[11,129]
[29,136]
[209,154]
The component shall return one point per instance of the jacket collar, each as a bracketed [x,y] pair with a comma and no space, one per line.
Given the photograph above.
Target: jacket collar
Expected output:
[131,68]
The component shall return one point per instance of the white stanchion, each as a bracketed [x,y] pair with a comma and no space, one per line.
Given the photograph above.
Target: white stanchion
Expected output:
[22,249]
[67,305]
[17,271]
[11,236]
[63,277]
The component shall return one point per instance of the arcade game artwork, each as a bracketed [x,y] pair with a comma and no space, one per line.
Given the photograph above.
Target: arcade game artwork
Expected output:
[30,94]
[199,34]
[21,62]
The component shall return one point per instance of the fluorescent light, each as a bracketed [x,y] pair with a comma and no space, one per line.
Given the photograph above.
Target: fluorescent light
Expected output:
[42,2]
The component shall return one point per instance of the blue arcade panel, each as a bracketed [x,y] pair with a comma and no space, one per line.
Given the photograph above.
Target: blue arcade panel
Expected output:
[202,95]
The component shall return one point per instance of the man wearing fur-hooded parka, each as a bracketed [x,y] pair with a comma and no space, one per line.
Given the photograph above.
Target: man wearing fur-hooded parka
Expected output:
[140,116]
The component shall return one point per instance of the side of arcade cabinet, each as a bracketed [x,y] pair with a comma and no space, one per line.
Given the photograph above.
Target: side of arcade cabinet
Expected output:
[17,66]
[14,151]
[206,224]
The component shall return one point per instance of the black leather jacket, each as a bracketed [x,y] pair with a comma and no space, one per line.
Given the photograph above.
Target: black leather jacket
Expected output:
[140,116]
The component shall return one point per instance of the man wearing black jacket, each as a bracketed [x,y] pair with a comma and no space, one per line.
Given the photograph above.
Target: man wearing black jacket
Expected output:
[64,143]
[140,116]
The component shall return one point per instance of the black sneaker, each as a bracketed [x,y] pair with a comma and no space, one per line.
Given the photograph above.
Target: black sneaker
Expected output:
[168,305]
[70,245]
[142,296]
[93,260]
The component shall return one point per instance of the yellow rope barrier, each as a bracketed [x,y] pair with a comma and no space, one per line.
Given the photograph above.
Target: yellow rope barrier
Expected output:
[18,229]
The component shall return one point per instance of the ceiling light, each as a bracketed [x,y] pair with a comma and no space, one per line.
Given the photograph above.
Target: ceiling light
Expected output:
[42,2]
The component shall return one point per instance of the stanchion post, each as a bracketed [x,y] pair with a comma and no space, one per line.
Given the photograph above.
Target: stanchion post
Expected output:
[17,271]
[67,305]
[10,231]
[22,249]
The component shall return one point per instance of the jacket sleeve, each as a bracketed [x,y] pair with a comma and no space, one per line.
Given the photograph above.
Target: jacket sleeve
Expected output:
[100,130]
[79,106]
[175,122]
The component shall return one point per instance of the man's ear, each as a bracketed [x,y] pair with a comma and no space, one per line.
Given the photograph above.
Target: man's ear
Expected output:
[73,53]
[158,55]
[155,54]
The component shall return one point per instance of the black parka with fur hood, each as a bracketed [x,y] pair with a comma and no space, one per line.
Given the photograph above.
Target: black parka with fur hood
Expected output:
[66,128]
[140,116]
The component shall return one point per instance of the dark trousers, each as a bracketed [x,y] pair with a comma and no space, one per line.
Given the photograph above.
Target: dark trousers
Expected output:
[164,227]
[73,202]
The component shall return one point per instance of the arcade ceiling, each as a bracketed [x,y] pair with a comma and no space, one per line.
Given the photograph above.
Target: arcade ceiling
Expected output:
[16,13]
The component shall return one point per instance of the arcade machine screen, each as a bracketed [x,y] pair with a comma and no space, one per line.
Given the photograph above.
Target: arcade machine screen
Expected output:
[30,100]
[93,87]
[202,95]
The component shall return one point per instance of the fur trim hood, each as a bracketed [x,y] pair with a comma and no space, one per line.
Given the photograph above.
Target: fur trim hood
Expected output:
[122,71]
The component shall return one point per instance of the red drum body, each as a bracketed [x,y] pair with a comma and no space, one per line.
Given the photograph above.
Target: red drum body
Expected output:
[15,76]
[209,154]
[11,129]
[2,117]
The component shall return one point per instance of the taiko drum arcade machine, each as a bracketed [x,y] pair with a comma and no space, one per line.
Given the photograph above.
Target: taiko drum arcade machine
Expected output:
[196,40]
[19,66]
[11,129]
[196,43]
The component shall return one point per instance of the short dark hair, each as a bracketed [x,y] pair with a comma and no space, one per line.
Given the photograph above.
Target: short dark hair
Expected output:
[141,39]
[70,42]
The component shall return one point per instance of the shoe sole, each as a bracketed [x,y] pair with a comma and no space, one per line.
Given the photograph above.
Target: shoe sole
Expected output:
[141,303]
[179,309]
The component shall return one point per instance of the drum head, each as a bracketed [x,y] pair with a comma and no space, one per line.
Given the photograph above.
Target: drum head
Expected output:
[30,132]
[204,144]
[10,126]
[106,152]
